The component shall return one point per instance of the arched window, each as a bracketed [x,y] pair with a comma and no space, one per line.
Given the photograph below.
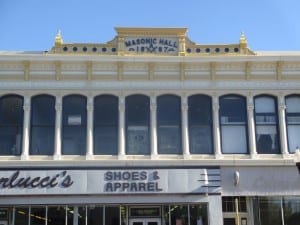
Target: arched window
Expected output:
[233,120]
[200,124]
[42,125]
[106,117]
[293,122]
[169,124]
[11,124]
[266,123]
[74,125]
[137,125]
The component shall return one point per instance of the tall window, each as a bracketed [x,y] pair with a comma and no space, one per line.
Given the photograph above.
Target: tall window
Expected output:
[293,122]
[169,124]
[42,125]
[266,122]
[233,119]
[200,124]
[74,125]
[106,125]
[11,125]
[137,124]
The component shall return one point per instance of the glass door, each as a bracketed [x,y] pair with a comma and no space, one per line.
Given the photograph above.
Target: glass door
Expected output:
[145,221]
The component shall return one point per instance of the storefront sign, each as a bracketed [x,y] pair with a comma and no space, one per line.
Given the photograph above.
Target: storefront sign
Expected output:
[114,181]
[157,45]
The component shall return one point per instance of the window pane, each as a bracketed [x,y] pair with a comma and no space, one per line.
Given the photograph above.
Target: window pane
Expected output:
[94,215]
[74,140]
[267,139]
[11,110]
[43,110]
[56,215]
[42,140]
[21,216]
[291,207]
[179,214]
[112,215]
[270,211]
[169,140]
[74,125]
[38,216]
[11,140]
[198,214]
[293,137]
[200,124]
[266,119]
[106,110]
[233,124]
[11,125]
[201,139]
[137,124]
[293,122]
[106,140]
[234,139]
[106,125]
[169,124]
[138,140]
[81,215]
[168,110]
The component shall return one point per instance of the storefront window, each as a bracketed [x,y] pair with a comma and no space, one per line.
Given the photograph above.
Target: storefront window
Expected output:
[42,125]
[95,215]
[70,215]
[198,214]
[56,215]
[291,207]
[137,125]
[169,124]
[11,125]
[112,215]
[179,214]
[200,124]
[270,211]
[106,125]
[22,216]
[233,119]
[293,122]
[266,122]
[74,125]
[38,216]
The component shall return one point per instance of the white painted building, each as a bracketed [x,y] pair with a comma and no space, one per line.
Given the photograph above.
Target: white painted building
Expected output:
[149,129]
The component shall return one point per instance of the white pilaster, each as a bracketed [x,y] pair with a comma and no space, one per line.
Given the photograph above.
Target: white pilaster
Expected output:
[121,154]
[58,121]
[217,141]
[251,127]
[153,128]
[89,133]
[282,127]
[184,127]
[26,127]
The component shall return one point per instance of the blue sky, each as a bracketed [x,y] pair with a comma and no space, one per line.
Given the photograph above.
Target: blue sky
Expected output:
[32,24]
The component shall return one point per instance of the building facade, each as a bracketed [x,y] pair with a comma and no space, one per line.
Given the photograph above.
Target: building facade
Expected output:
[149,129]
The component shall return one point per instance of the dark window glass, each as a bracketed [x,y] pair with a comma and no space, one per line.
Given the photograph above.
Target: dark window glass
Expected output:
[169,124]
[22,216]
[74,125]
[112,215]
[229,203]
[137,124]
[42,125]
[198,214]
[81,214]
[106,113]
[95,215]
[266,123]
[56,215]
[293,122]
[233,120]
[38,216]
[11,125]
[200,124]
[179,214]
[291,207]
[270,211]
